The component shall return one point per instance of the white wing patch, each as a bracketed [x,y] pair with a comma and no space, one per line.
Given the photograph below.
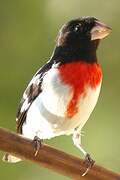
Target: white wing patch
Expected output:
[25,105]
[35,80]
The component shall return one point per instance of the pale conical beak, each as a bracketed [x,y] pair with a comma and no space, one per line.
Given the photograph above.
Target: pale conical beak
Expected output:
[100,31]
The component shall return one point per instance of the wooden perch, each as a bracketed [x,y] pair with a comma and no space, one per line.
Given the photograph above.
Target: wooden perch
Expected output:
[51,158]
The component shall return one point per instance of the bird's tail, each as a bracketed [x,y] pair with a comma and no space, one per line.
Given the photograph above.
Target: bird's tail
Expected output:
[10,159]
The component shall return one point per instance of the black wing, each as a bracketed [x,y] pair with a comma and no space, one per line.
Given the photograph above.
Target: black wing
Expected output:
[30,94]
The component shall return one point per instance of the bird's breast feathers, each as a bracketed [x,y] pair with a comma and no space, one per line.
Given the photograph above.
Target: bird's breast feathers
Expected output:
[64,87]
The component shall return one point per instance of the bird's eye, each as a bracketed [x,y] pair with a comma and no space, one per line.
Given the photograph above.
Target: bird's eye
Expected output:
[77,28]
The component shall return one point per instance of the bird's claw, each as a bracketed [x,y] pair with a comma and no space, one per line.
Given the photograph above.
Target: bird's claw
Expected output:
[89,162]
[37,143]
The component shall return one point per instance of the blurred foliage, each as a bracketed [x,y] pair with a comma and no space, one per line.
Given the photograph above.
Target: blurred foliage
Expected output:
[27,36]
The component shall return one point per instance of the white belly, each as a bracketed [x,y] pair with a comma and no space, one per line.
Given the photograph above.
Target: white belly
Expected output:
[46,116]
[86,106]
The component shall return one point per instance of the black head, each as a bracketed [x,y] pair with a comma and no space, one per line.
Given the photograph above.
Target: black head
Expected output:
[79,38]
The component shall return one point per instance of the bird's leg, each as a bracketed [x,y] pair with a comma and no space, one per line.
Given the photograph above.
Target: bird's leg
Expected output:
[37,143]
[77,142]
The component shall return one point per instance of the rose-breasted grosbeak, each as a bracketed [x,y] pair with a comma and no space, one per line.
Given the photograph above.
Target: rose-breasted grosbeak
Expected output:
[63,93]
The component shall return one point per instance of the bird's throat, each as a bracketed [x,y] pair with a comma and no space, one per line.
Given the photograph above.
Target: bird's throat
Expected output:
[85,53]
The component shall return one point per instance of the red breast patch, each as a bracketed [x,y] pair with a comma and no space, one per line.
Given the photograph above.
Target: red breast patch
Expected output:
[78,75]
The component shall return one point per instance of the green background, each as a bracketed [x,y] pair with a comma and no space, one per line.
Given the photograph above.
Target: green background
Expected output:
[27,36]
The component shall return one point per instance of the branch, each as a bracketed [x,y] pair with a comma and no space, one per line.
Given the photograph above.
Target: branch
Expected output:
[51,158]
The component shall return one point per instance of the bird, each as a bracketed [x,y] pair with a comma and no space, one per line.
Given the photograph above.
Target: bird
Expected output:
[63,93]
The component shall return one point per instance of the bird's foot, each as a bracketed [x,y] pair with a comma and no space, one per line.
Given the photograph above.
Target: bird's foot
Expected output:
[89,162]
[37,143]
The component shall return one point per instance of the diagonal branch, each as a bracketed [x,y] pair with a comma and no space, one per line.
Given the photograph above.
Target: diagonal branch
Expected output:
[51,158]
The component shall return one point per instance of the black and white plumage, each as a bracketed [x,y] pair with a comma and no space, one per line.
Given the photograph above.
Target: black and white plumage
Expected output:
[31,93]
[43,110]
